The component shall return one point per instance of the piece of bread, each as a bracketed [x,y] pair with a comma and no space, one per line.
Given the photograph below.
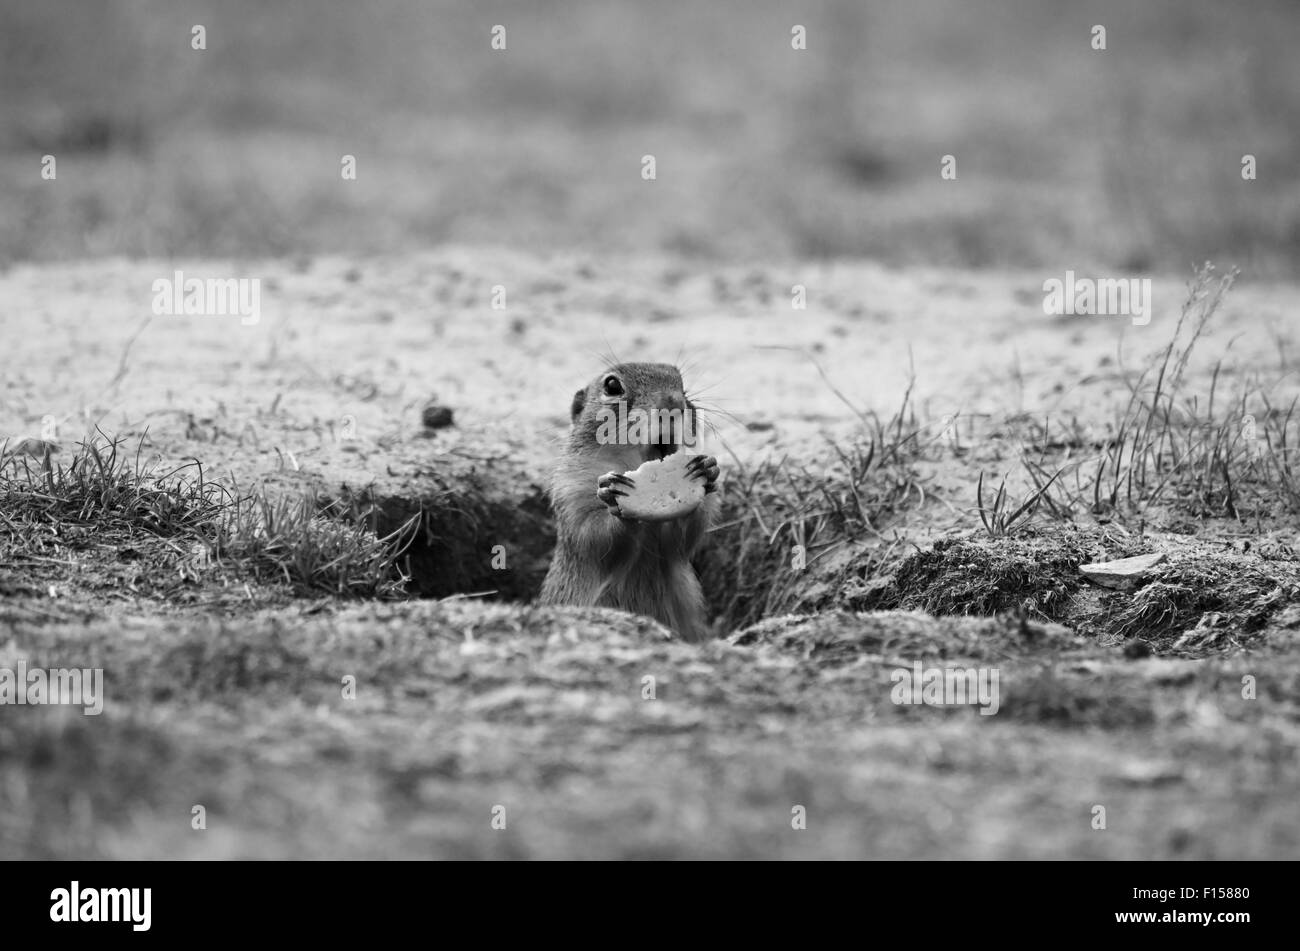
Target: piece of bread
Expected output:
[661,490]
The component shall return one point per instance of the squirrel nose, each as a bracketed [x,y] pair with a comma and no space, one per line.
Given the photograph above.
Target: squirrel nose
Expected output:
[667,412]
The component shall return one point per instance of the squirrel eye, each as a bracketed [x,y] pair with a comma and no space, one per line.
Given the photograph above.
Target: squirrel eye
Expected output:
[613,386]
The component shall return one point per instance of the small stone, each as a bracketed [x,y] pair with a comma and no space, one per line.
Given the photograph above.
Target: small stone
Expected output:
[436,416]
[1123,573]
[1149,773]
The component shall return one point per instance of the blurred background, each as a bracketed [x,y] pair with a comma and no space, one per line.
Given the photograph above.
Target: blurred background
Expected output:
[1066,157]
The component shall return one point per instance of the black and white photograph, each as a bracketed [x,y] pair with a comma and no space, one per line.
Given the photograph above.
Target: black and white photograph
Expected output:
[738,430]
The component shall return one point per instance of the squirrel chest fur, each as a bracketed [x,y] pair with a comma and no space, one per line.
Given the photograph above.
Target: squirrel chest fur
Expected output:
[601,557]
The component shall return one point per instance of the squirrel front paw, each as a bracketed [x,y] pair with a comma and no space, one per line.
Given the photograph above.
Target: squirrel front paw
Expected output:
[705,468]
[611,487]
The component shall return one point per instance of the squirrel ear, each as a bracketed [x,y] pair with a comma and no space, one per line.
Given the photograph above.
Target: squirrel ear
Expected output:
[579,401]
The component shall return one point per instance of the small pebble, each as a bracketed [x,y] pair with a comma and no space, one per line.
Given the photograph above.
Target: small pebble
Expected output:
[435,416]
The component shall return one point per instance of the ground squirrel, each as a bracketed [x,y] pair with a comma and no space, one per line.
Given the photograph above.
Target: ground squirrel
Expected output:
[629,414]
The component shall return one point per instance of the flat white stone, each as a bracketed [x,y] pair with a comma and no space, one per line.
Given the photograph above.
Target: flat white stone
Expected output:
[1123,572]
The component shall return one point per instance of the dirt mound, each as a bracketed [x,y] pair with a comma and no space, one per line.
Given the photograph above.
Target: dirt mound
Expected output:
[1202,596]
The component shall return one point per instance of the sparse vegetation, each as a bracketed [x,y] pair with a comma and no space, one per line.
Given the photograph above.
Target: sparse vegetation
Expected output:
[995,517]
[1177,449]
[317,547]
[781,517]
[106,487]
[114,495]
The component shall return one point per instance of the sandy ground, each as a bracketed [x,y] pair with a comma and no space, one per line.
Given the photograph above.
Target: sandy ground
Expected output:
[230,697]
[373,340]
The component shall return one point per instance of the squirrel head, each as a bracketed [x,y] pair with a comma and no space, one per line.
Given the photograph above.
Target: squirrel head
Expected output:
[635,409]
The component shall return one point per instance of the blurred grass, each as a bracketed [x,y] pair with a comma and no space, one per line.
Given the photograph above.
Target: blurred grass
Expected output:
[1123,159]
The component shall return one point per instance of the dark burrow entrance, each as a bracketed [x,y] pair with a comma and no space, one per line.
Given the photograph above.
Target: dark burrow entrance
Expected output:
[472,538]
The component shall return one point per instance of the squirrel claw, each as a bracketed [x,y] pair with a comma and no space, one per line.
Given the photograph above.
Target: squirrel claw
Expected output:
[706,468]
[609,489]
[613,480]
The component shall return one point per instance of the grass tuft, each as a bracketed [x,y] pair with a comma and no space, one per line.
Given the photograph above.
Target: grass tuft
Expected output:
[316,547]
[111,495]
[780,518]
[108,488]
[1189,452]
[998,521]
